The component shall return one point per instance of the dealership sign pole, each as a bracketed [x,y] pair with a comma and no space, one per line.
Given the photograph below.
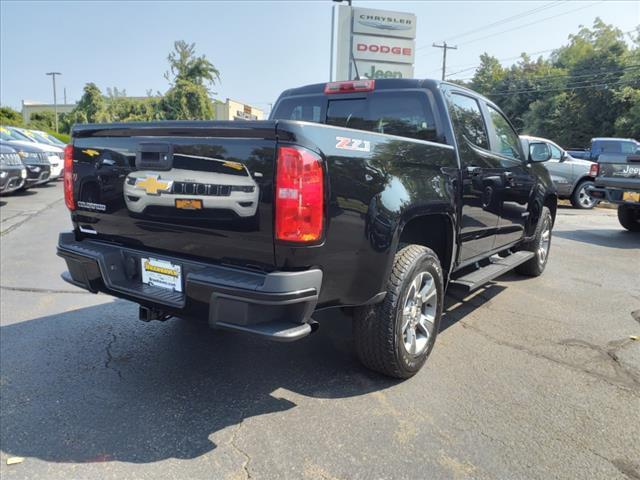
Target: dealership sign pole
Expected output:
[371,43]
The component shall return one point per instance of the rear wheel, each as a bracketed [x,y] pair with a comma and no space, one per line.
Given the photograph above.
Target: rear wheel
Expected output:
[629,217]
[581,199]
[396,336]
[540,246]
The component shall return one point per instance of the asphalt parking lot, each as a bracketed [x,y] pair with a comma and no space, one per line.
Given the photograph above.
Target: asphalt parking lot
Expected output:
[530,378]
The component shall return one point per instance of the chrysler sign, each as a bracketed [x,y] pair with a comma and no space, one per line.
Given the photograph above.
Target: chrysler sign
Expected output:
[382,22]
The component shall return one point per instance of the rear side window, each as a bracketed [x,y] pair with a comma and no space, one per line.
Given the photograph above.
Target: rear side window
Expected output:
[307,109]
[608,147]
[507,141]
[467,119]
[405,114]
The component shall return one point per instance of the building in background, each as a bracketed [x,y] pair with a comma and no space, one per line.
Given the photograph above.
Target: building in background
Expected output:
[233,110]
[29,107]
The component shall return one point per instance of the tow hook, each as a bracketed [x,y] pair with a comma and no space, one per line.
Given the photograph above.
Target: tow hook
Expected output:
[147,314]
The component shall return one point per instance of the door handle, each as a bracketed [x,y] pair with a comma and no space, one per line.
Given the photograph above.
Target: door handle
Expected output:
[473,170]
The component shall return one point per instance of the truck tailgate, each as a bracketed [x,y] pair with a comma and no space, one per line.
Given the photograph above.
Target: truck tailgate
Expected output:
[202,190]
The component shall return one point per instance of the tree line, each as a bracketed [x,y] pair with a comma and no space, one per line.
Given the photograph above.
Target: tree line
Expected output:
[190,78]
[589,87]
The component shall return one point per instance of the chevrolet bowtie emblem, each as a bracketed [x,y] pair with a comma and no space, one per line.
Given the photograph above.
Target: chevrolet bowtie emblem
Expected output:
[153,185]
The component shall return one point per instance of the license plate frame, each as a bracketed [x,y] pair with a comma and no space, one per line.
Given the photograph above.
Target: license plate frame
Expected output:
[161,273]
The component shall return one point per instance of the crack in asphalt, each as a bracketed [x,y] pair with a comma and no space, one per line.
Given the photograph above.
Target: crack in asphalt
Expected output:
[42,290]
[232,443]
[628,382]
[110,358]
[29,216]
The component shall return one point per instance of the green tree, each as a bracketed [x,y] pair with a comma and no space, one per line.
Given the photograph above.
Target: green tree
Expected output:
[184,65]
[9,116]
[42,120]
[91,105]
[189,76]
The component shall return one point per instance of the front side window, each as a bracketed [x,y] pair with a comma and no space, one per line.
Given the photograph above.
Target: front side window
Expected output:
[628,148]
[467,119]
[555,152]
[506,139]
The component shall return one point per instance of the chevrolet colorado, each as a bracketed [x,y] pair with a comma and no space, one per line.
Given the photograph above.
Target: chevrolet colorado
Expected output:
[370,195]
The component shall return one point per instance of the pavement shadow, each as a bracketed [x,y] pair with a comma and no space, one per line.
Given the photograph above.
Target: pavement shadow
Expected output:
[458,305]
[610,237]
[96,385]
[23,193]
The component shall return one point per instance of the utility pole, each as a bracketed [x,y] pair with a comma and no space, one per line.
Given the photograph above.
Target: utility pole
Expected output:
[55,100]
[444,48]
[65,95]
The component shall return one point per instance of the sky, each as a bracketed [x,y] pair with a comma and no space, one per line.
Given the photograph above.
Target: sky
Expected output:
[260,47]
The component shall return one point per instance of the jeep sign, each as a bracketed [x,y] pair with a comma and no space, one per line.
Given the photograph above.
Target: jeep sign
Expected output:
[373,70]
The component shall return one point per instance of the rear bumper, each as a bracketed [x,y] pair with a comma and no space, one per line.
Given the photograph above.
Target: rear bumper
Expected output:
[611,195]
[277,305]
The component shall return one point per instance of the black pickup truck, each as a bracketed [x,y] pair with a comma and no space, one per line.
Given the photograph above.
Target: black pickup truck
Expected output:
[617,180]
[369,195]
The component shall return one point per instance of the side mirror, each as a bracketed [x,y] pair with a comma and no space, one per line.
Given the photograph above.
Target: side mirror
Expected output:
[539,152]
[563,156]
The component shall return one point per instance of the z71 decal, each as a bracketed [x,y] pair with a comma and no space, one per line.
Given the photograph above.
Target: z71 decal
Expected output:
[358,145]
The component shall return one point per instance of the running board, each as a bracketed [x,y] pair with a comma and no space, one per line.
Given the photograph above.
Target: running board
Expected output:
[477,278]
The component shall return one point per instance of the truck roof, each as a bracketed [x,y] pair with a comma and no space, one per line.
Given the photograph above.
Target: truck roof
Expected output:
[383,84]
[614,139]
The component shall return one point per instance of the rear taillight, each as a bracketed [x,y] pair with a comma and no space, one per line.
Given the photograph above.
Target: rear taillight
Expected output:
[350,86]
[299,203]
[68,177]
[594,170]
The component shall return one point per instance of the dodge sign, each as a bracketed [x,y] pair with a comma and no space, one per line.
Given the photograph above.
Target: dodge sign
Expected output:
[383,49]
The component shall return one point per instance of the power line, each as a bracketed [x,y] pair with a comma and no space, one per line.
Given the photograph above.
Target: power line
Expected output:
[510,58]
[531,23]
[571,75]
[500,60]
[504,20]
[508,19]
[607,84]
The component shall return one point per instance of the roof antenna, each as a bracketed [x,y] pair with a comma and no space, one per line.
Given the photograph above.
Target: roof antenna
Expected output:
[355,65]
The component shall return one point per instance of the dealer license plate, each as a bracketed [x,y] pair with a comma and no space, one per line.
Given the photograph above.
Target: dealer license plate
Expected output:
[189,204]
[161,273]
[631,196]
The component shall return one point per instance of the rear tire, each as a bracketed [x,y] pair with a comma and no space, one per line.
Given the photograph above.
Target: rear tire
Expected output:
[395,336]
[540,246]
[629,217]
[580,198]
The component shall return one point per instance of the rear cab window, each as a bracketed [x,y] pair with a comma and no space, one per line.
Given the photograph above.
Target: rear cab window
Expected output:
[401,113]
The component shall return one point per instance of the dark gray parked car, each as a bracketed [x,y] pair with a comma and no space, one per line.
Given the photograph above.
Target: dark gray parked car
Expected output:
[12,172]
[570,175]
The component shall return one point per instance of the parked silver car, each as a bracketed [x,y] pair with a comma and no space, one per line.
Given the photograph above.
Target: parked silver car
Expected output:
[570,175]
